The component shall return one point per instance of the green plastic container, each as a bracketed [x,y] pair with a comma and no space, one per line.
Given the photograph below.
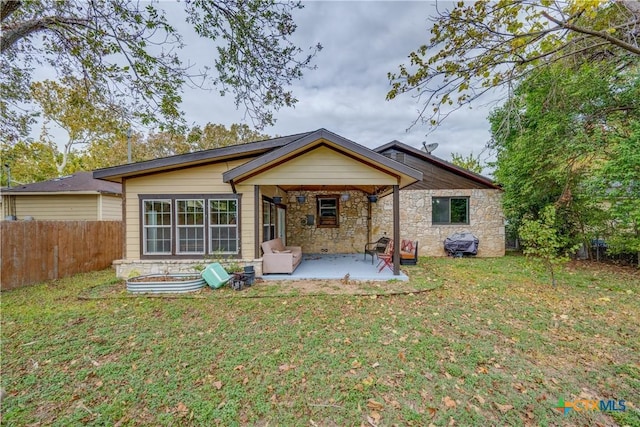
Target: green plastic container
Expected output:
[215,275]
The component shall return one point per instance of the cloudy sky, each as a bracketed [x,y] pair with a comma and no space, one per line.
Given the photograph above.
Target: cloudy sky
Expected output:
[362,41]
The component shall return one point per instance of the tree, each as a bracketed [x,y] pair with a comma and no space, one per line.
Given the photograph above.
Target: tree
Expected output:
[480,46]
[542,240]
[471,163]
[29,161]
[71,108]
[128,52]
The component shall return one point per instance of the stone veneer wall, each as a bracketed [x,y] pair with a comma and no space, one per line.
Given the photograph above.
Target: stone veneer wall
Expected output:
[486,220]
[126,269]
[349,237]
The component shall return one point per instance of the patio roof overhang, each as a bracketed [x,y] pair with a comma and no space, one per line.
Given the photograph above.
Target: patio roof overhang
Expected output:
[324,161]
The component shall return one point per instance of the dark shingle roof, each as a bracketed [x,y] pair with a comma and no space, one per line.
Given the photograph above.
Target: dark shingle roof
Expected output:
[78,182]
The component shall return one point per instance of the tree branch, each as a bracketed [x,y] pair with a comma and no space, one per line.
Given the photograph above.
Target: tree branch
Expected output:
[7,7]
[599,34]
[11,35]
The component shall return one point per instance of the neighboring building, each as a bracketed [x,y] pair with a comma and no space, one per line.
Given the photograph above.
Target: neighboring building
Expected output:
[309,189]
[72,198]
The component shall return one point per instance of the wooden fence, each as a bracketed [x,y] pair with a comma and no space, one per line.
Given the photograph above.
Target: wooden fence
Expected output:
[37,251]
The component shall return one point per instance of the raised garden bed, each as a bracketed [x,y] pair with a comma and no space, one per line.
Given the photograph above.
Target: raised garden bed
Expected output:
[166,283]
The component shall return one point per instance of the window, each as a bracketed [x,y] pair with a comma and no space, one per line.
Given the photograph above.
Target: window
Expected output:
[223,225]
[268,220]
[156,225]
[450,210]
[328,211]
[189,225]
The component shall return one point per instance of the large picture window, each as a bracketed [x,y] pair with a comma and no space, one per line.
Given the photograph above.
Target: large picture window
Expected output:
[187,225]
[450,210]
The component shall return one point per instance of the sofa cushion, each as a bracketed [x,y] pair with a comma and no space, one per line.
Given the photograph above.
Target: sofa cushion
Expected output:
[276,244]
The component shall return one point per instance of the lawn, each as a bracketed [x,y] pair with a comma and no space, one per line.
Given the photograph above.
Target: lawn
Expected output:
[489,343]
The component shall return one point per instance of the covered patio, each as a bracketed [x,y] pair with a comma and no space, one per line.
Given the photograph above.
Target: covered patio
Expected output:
[337,267]
[317,188]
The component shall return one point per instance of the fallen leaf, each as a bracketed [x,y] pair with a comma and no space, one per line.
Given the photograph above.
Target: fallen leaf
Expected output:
[480,399]
[217,385]
[286,367]
[503,408]
[356,364]
[239,368]
[374,405]
[449,402]
[182,408]
[401,356]
[432,412]
[375,416]
[482,370]
[375,365]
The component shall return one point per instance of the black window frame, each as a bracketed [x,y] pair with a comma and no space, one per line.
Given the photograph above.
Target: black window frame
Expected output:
[448,199]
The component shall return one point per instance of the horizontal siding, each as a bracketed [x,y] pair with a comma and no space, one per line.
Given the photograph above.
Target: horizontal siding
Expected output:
[435,177]
[322,166]
[65,207]
[196,180]
[111,208]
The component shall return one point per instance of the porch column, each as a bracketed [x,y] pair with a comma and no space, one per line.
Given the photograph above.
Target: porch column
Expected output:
[256,220]
[396,230]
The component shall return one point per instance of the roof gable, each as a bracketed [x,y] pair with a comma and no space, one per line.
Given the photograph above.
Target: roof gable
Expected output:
[312,141]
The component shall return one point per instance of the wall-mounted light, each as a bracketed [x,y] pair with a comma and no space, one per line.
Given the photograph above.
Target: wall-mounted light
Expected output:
[277,199]
[301,199]
[373,198]
[344,197]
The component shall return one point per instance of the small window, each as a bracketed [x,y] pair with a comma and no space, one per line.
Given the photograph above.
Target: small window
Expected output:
[223,226]
[328,211]
[450,210]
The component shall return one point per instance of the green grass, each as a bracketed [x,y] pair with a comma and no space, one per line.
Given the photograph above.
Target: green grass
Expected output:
[491,343]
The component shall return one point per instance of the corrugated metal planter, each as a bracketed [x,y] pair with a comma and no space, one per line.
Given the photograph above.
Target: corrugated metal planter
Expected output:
[165,283]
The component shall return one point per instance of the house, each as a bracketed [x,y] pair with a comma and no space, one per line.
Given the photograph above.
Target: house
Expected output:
[73,198]
[309,189]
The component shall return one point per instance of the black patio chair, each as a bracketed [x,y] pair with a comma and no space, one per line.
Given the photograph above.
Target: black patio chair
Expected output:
[375,248]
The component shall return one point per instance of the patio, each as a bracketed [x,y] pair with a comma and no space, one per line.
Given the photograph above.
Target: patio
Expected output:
[336,267]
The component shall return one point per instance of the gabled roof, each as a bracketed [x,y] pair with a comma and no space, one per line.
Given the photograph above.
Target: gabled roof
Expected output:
[78,183]
[321,136]
[116,173]
[437,162]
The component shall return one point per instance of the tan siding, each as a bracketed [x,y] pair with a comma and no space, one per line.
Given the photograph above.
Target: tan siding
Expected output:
[111,208]
[197,180]
[323,166]
[59,207]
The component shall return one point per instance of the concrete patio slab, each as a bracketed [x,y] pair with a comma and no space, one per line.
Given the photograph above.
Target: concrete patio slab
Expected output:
[336,267]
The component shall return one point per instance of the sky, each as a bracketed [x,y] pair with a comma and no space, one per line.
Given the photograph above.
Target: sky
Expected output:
[362,41]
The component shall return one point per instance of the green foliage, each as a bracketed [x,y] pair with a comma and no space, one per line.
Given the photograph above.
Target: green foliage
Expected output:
[561,140]
[471,162]
[541,239]
[476,47]
[129,54]
[617,185]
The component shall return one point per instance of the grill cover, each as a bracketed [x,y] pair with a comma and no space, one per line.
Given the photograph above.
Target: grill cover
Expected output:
[459,244]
